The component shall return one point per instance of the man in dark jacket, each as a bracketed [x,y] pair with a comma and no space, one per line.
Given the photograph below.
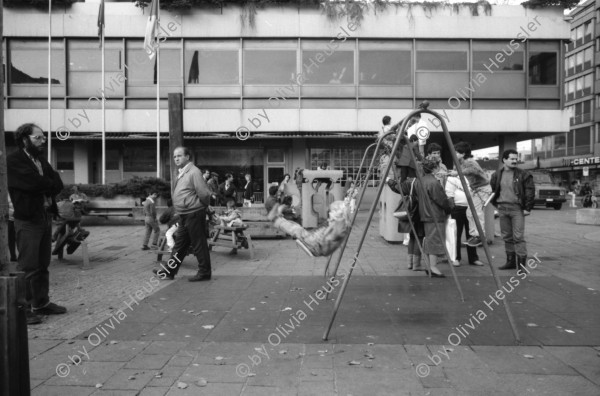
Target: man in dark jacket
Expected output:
[227,190]
[514,193]
[33,186]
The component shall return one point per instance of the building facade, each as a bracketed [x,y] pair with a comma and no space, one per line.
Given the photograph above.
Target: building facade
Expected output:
[575,155]
[308,89]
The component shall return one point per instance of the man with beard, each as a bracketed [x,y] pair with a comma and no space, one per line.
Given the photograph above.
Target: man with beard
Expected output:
[190,200]
[33,186]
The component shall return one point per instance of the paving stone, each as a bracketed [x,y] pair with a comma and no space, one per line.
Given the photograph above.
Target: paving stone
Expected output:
[126,379]
[474,379]
[148,362]
[43,366]
[122,351]
[549,385]
[48,390]
[163,382]
[211,373]
[361,381]
[315,374]
[154,391]
[513,360]
[221,389]
[94,373]
[102,392]
[316,388]
[37,346]
[164,347]
[183,361]
[584,360]
[269,391]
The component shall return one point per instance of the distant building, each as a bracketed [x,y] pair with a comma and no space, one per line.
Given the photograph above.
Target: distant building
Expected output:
[309,89]
[575,155]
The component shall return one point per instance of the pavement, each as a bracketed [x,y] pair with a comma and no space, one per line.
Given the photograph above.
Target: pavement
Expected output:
[257,328]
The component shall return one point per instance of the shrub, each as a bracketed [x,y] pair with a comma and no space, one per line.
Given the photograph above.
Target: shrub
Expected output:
[138,187]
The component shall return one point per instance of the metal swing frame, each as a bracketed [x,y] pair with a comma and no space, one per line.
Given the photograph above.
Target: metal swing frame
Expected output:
[423,109]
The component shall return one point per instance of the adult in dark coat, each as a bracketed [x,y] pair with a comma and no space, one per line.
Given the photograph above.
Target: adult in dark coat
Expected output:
[227,190]
[33,186]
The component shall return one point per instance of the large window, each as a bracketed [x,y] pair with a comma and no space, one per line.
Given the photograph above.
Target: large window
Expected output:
[442,60]
[64,158]
[484,60]
[269,63]
[385,67]
[542,68]
[237,161]
[139,159]
[142,71]
[85,68]
[582,140]
[28,71]
[337,68]
[214,63]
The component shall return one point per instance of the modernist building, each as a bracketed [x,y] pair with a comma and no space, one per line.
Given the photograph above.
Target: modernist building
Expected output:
[309,89]
[575,155]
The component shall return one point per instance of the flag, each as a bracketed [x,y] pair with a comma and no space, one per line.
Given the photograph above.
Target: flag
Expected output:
[150,42]
[101,21]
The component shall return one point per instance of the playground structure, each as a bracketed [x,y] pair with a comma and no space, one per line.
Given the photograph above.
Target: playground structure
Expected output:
[361,181]
[319,189]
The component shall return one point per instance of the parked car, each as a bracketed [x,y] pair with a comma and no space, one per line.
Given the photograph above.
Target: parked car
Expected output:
[547,192]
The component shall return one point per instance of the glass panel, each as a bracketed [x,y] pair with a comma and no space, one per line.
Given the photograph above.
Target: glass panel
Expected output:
[481,59]
[269,66]
[112,159]
[346,159]
[442,60]
[542,68]
[275,155]
[560,142]
[141,71]
[212,67]
[274,175]
[237,161]
[582,137]
[29,63]
[337,68]
[385,68]
[64,158]
[85,69]
[139,159]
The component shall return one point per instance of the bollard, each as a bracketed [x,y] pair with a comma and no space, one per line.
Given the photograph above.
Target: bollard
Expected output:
[14,350]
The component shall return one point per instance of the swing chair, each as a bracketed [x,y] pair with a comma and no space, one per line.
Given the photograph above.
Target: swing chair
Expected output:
[400,127]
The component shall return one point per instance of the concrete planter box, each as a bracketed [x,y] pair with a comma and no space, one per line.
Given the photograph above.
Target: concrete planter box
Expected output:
[588,216]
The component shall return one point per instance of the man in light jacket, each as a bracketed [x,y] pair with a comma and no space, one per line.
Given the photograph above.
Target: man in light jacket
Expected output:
[190,200]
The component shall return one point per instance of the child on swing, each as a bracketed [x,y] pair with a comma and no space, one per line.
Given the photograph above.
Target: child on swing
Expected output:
[321,241]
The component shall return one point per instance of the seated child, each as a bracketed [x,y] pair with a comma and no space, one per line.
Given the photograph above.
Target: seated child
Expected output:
[321,241]
[232,217]
[170,218]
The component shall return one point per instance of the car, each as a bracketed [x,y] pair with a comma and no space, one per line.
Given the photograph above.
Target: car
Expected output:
[547,192]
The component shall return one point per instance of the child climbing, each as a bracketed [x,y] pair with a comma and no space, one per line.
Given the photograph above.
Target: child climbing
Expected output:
[321,241]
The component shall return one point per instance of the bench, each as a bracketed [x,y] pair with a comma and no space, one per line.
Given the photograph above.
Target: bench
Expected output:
[232,237]
[120,205]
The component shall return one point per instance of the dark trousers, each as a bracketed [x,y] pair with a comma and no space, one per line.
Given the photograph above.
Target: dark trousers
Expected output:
[406,172]
[34,241]
[12,240]
[459,213]
[191,234]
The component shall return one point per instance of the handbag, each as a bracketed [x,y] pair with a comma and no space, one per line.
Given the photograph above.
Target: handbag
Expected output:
[408,206]
[451,238]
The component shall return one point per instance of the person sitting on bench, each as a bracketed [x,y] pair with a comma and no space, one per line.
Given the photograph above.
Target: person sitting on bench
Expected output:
[232,216]
[321,241]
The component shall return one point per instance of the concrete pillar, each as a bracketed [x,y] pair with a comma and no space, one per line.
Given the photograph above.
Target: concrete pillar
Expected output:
[506,142]
[82,165]
[298,153]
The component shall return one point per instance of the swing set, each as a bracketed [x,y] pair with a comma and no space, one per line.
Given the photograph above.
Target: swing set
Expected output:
[398,130]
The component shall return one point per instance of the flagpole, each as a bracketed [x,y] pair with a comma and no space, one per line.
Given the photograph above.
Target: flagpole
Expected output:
[157,93]
[50,81]
[103,110]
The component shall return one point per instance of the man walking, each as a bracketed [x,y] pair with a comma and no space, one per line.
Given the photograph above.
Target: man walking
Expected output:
[190,200]
[514,194]
[33,186]
[150,221]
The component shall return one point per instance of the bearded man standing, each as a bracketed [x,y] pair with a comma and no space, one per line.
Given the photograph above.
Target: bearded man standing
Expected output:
[33,186]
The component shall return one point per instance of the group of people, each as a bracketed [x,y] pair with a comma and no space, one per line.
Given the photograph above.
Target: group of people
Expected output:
[439,195]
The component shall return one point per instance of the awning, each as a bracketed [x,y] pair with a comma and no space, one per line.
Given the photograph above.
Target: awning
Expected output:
[220,135]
